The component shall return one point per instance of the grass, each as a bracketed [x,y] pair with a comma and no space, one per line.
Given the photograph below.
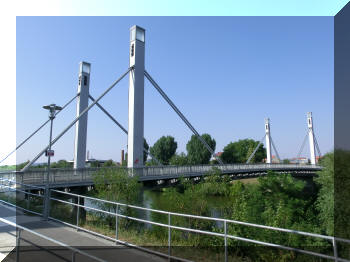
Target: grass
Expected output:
[149,239]
[8,168]
[248,180]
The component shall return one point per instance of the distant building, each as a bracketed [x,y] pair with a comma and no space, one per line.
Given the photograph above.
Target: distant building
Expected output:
[92,162]
[216,155]
[299,160]
[274,160]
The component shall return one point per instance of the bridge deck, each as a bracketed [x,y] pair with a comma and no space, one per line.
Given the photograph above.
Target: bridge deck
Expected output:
[84,177]
[101,248]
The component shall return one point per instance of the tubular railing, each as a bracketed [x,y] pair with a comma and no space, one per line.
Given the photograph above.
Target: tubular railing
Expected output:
[169,226]
[18,238]
[58,176]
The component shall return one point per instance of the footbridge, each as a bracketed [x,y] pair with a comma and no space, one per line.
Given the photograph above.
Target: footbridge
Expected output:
[84,177]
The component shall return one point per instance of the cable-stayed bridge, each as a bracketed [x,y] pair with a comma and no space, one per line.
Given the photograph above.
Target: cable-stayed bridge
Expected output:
[29,181]
[135,131]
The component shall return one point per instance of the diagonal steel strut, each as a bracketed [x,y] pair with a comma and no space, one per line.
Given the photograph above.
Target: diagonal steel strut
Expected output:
[256,149]
[302,145]
[274,147]
[156,86]
[37,130]
[76,119]
[122,128]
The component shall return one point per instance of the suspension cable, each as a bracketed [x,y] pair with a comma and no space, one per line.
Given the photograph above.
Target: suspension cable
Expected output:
[194,131]
[302,145]
[37,130]
[109,115]
[317,147]
[76,119]
[256,149]
[122,128]
[274,147]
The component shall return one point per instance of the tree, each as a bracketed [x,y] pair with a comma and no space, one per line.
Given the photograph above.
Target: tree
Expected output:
[325,200]
[179,160]
[109,163]
[239,152]
[286,161]
[197,153]
[20,166]
[115,184]
[164,149]
[61,164]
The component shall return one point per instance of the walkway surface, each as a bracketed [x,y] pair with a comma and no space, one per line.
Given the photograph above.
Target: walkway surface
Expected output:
[34,248]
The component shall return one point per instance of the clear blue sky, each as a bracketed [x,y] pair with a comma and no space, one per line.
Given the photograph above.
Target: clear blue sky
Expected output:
[226,74]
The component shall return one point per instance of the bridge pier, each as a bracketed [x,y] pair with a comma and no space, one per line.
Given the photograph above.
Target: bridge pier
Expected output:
[81,125]
[311,138]
[136,97]
[268,141]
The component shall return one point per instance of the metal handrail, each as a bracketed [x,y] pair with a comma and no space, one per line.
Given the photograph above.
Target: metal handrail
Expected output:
[60,176]
[186,215]
[169,226]
[38,170]
[225,235]
[75,250]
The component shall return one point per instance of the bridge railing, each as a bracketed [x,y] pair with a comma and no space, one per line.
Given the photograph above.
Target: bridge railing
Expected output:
[223,234]
[20,228]
[200,169]
[57,176]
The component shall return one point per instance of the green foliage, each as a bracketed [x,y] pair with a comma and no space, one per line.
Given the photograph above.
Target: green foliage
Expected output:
[61,164]
[164,149]
[286,161]
[109,163]
[277,200]
[341,197]
[179,160]
[115,184]
[20,166]
[197,153]
[125,161]
[95,164]
[8,167]
[325,201]
[239,152]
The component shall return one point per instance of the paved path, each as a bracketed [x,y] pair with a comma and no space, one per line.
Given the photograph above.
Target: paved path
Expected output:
[30,250]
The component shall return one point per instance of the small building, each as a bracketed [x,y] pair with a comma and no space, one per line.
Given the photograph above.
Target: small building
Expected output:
[299,160]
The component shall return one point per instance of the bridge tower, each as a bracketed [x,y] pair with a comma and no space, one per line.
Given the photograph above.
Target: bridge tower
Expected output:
[311,138]
[136,97]
[81,125]
[268,141]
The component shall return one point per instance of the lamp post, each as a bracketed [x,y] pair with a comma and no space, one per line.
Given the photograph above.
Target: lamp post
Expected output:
[52,111]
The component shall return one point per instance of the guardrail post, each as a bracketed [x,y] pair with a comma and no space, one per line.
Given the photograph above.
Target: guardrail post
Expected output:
[335,251]
[225,230]
[169,236]
[116,223]
[73,256]
[27,200]
[8,190]
[78,208]
[18,238]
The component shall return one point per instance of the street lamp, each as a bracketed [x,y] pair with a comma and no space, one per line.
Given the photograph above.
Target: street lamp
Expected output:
[52,112]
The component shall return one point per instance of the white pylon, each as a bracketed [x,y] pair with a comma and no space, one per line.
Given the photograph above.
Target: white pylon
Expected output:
[81,125]
[136,97]
[311,138]
[268,141]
